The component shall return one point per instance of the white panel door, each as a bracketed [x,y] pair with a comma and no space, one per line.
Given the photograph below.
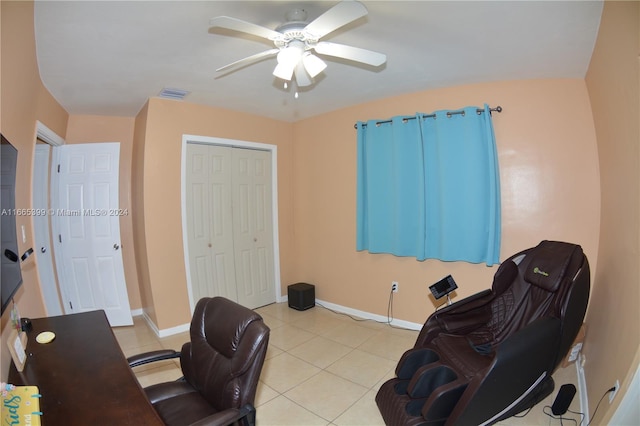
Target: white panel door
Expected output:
[89,231]
[42,230]
[209,222]
[252,227]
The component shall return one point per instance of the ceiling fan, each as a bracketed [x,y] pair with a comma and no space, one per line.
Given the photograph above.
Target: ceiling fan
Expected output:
[296,40]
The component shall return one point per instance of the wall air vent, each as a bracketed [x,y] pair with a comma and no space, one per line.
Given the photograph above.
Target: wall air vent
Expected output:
[176,94]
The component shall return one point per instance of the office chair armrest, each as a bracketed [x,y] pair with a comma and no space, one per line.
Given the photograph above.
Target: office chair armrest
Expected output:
[152,356]
[232,415]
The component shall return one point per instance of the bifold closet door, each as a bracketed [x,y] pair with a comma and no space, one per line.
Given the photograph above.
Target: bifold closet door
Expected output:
[253,227]
[209,222]
[229,224]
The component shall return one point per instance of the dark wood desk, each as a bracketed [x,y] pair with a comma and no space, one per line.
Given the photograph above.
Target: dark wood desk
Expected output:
[83,376]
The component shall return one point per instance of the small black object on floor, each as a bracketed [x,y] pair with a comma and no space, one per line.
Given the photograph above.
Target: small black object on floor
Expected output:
[563,400]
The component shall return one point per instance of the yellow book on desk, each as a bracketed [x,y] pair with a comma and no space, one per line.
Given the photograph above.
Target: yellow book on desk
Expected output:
[21,406]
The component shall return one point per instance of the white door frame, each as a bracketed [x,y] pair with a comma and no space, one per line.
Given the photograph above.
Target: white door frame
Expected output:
[273,149]
[47,276]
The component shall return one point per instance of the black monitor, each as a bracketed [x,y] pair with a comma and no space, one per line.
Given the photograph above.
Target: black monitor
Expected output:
[443,287]
[11,275]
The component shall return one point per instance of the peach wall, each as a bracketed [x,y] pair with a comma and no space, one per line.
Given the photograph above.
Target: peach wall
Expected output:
[88,129]
[612,346]
[23,100]
[549,182]
[166,122]
[137,214]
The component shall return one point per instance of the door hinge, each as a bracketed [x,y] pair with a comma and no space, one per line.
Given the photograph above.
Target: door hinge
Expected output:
[60,238]
[58,168]
[70,305]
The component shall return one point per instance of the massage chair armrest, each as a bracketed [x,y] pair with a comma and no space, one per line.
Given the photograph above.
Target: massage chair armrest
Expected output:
[246,415]
[468,303]
[152,356]
[458,318]
[522,362]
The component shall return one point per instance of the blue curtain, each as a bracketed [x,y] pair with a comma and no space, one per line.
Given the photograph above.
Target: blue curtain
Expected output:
[429,187]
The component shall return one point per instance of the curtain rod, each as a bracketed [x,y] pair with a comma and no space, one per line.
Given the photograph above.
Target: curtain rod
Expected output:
[449,114]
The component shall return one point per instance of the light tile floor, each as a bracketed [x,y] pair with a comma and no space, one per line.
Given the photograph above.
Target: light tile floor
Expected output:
[322,368]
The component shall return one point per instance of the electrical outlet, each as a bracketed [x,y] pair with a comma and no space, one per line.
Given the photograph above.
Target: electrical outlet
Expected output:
[394,286]
[613,393]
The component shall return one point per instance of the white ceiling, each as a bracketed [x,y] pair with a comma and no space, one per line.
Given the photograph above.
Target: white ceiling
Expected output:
[109,57]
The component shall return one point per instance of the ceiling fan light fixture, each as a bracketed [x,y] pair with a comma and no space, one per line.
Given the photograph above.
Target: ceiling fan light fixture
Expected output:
[283,71]
[288,58]
[313,64]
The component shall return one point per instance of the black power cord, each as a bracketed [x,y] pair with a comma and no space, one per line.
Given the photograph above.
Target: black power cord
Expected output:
[561,418]
[598,404]
[389,314]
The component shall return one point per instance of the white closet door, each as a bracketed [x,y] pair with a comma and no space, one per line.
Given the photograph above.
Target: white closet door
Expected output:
[252,227]
[209,222]
[230,224]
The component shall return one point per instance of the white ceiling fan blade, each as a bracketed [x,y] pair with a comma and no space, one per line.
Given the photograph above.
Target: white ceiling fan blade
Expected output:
[336,17]
[302,78]
[242,26]
[351,53]
[249,60]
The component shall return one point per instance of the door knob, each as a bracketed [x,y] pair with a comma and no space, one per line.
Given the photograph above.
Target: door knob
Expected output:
[43,249]
[116,246]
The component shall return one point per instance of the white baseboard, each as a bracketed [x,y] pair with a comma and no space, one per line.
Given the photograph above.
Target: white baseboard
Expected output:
[582,389]
[136,312]
[369,315]
[166,331]
[283,299]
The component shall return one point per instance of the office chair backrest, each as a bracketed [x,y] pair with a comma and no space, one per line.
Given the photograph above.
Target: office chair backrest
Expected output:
[226,353]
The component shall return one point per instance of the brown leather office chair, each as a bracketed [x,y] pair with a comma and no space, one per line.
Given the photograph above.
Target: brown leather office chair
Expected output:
[221,366]
[491,355]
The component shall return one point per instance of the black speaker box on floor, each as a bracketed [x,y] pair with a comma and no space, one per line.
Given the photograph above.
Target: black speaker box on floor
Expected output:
[302,296]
